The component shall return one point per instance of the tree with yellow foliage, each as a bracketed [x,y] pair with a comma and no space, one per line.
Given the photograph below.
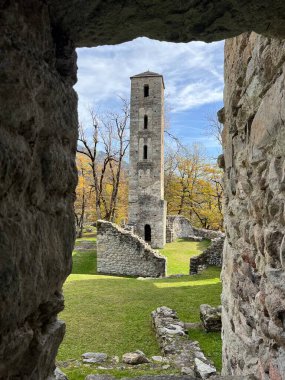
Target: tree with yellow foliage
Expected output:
[104,152]
[193,188]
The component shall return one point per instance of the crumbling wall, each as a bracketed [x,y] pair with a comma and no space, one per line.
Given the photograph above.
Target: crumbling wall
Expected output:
[254,154]
[177,226]
[38,132]
[213,255]
[207,234]
[37,147]
[121,252]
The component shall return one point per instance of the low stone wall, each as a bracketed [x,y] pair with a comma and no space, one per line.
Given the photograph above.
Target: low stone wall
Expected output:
[177,347]
[211,256]
[207,234]
[120,252]
[177,226]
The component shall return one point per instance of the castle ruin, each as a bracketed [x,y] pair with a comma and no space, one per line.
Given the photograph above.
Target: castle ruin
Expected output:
[38,132]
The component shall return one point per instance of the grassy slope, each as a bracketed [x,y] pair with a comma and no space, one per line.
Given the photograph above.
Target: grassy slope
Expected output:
[112,314]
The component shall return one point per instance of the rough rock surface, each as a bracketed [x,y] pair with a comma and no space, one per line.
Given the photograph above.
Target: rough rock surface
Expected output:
[134,358]
[177,226]
[208,234]
[38,133]
[213,255]
[59,375]
[121,252]
[100,22]
[211,317]
[99,377]
[176,346]
[38,127]
[164,377]
[253,274]
[94,357]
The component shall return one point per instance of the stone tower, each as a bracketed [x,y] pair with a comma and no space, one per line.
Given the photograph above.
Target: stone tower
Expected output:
[147,207]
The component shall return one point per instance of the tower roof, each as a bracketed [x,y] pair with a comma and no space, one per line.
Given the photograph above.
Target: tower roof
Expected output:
[147,74]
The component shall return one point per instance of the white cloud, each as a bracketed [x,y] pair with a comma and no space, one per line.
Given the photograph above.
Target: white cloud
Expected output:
[193,72]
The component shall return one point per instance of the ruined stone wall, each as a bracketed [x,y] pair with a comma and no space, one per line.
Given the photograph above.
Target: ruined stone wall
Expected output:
[38,131]
[254,151]
[177,226]
[121,252]
[207,234]
[213,255]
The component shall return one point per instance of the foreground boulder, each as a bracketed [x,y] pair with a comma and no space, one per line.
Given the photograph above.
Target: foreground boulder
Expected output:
[211,317]
[134,358]
[59,375]
[94,357]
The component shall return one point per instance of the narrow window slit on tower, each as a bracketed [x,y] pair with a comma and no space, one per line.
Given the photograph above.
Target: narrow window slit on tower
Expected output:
[145,122]
[145,152]
[146,90]
[147,233]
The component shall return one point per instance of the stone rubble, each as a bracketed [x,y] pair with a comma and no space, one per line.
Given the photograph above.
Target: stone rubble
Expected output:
[211,317]
[160,359]
[134,358]
[59,375]
[94,357]
[99,377]
[175,345]
[164,377]
[203,369]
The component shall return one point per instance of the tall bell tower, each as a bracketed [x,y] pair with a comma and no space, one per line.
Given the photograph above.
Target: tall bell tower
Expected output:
[147,207]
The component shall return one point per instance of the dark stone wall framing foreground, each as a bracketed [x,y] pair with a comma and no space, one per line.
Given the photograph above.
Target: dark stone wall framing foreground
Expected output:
[38,132]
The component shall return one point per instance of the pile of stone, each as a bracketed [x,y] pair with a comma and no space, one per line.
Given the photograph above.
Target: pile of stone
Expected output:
[133,361]
[211,317]
[186,355]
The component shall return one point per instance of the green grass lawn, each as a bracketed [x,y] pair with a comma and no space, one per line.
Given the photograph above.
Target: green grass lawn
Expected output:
[112,314]
[179,252]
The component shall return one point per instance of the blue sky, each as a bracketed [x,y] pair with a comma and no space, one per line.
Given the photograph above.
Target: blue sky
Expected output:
[193,76]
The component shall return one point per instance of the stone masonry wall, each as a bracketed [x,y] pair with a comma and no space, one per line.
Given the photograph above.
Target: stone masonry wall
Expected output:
[177,226]
[207,234]
[146,174]
[38,133]
[213,255]
[254,253]
[121,252]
